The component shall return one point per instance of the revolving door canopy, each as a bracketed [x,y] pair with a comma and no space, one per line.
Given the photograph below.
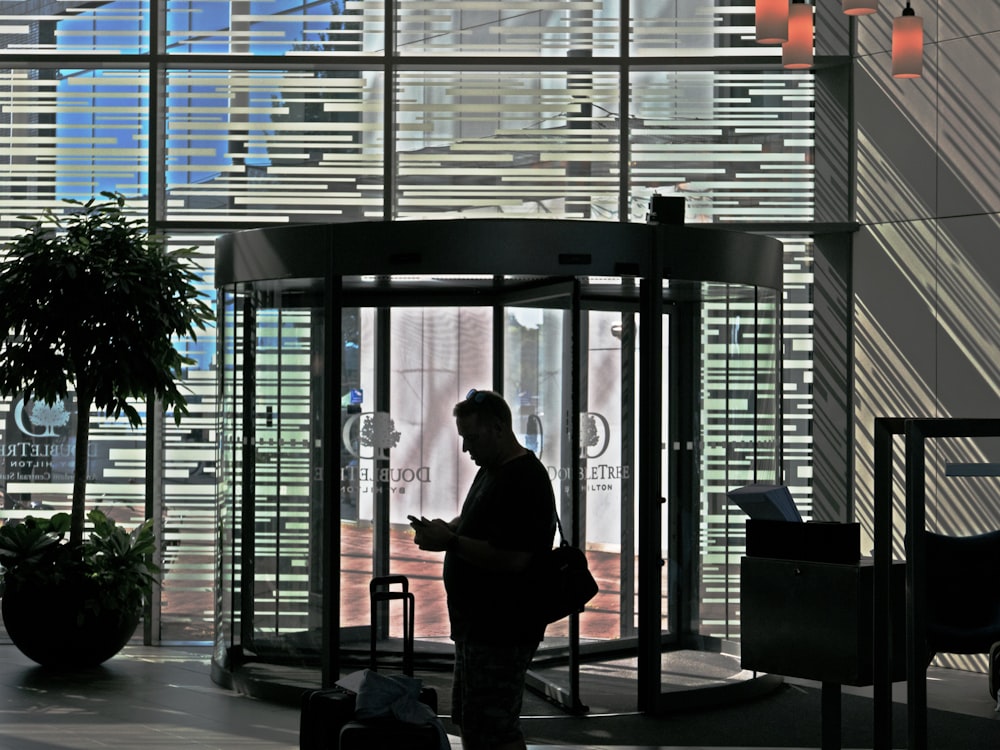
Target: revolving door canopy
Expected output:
[641,362]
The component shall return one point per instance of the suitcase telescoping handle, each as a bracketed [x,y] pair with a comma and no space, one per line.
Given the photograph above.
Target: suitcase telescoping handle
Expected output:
[382,591]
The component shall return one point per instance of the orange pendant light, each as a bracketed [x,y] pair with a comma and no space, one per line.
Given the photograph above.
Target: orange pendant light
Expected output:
[860,7]
[907,45]
[772,21]
[797,52]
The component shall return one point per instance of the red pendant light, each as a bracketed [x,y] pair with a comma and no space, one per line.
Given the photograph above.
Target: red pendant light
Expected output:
[907,44]
[797,52]
[772,21]
[860,7]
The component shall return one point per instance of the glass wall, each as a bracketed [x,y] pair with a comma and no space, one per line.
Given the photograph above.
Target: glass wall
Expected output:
[220,116]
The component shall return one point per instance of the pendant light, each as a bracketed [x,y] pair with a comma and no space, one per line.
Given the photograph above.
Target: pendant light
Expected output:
[907,44]
[772,21]
[797,52]
[860,7]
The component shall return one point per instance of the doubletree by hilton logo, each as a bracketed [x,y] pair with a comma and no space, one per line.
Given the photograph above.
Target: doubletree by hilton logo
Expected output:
[37,419]
[38,444]
[377,431]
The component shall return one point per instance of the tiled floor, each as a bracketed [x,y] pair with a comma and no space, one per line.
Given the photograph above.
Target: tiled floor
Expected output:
[150,698]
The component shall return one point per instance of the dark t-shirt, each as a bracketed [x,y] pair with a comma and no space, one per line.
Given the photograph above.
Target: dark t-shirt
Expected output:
[513,509]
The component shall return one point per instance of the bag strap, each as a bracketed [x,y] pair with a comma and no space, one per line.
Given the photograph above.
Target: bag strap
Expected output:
[562,536]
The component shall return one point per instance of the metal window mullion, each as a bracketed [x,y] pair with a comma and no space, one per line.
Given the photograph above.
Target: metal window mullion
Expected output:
[155,444]
[577,378]
[390,73]
[625,109]
[156,149]
[330,531]
[243,591]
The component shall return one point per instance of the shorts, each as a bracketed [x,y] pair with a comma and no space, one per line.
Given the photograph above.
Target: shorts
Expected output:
[487,691]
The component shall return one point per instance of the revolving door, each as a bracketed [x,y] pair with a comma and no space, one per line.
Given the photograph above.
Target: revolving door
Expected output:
[641,365]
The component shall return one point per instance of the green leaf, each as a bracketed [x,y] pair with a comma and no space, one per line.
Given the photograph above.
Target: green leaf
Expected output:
[131,299]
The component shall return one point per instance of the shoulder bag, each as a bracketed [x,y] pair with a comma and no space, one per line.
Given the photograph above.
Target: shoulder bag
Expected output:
[563,580]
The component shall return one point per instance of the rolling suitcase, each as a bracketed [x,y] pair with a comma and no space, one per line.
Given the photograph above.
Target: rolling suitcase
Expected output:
[372,729]
[323,714]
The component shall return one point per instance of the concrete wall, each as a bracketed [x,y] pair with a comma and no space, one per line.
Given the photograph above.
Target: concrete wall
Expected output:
[926,262]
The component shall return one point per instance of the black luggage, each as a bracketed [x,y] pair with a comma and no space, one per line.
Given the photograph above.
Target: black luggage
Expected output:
[324,713]
[387,731]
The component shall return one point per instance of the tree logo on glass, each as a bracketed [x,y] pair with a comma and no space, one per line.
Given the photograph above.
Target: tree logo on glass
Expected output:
[377,431]
[38,414]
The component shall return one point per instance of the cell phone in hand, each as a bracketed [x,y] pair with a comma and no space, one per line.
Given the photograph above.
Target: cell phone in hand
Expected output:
[414,521]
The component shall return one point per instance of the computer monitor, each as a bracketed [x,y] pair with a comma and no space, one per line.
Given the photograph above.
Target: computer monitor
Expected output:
[766,502]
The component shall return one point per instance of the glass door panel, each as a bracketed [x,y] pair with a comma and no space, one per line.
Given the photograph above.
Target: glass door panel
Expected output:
[537,384]
[591,454]
[437,354]
[608,466]
[359,444]
[738,332]
[400,453]
[540,383]
[537,387]
[281,577]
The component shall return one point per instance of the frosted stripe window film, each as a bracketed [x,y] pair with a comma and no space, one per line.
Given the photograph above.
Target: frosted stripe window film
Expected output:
[489,143]
[508,27]
[276,27]
[693,28]
[736,145]
[72,133]
[109,28]
[274,146]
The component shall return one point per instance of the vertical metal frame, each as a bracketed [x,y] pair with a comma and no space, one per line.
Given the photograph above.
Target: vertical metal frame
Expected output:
[577,381]
[916,601]
[885,429]
[651,476]
[626,601]
[330,533]
[247,526]
[383,397]
[152,607]
[682,501]
[915,433]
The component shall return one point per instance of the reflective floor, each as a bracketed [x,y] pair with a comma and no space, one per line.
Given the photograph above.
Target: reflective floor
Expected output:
[149,698]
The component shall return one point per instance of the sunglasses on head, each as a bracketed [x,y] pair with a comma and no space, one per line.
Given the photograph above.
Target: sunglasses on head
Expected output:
[476,396]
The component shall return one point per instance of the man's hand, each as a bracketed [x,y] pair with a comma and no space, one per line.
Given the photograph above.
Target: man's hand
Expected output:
[431,535]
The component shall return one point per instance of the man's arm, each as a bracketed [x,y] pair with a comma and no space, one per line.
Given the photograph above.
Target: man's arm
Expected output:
[439,535]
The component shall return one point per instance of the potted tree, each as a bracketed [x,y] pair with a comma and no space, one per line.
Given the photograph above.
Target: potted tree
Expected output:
[89,301]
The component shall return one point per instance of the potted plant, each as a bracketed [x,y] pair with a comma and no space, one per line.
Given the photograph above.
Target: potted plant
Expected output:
[89,300]
[74,606]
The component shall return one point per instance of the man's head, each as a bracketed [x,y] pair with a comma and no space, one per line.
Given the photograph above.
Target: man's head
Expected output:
[485,425]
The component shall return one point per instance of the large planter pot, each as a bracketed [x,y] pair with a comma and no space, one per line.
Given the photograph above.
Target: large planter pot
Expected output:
[50,626]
